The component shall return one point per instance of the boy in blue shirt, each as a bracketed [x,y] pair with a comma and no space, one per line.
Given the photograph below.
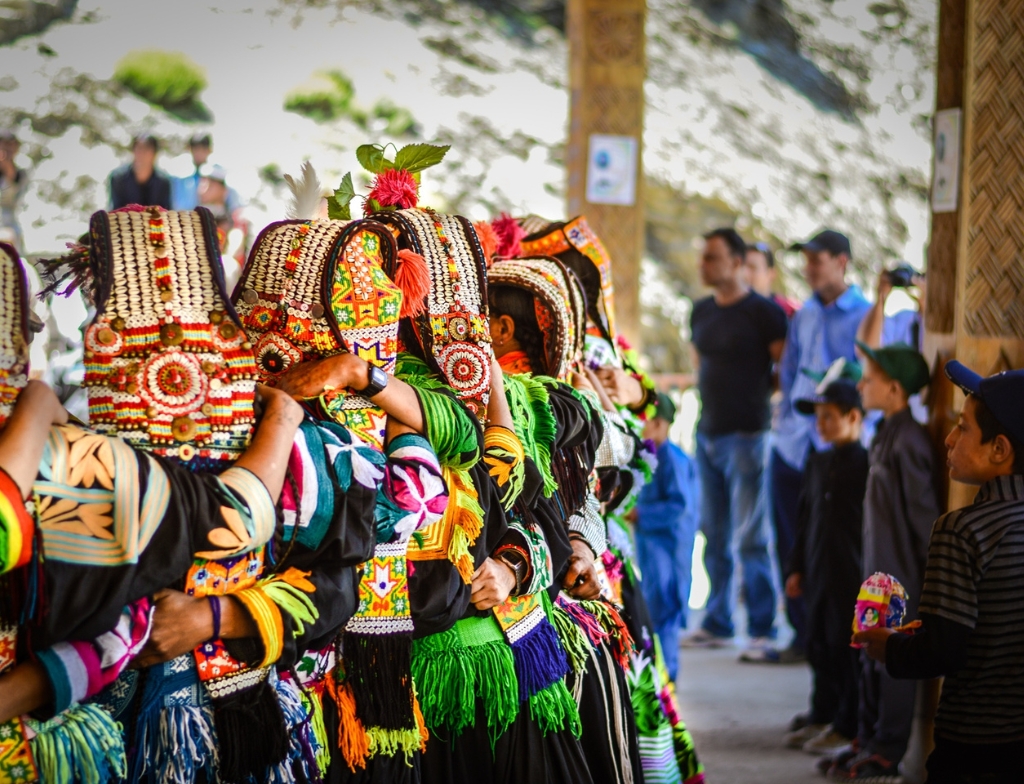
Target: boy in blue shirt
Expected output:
[666,525]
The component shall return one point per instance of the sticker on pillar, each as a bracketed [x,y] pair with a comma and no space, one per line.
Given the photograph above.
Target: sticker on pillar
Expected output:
[611,170]
[946,174]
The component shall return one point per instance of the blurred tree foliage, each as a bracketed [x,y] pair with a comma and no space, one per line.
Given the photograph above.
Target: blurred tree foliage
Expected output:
[330,96]
[169,80]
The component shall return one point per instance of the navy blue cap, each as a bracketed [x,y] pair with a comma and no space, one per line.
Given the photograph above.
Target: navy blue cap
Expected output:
[842,393]
[1002,394]
[828,240]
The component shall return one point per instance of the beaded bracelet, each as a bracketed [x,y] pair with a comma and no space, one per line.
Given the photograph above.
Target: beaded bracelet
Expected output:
[215,609]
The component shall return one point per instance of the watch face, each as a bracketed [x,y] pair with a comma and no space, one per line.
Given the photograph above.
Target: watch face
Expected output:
[378,380]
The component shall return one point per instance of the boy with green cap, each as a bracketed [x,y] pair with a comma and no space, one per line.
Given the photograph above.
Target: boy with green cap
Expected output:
[972,604]
[900,505]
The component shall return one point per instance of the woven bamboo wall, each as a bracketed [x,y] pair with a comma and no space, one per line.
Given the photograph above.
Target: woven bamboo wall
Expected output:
[994,282]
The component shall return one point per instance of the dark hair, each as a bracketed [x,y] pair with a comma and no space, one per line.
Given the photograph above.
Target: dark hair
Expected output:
[148,139]
[764,250]
[731,237]
[200,139]
[992,427]
[517,304]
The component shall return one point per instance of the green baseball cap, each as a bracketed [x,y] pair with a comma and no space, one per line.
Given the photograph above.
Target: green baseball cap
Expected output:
[901,363]
[665,408]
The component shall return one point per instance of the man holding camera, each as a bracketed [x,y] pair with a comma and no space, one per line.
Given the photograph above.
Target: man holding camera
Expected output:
[904,326]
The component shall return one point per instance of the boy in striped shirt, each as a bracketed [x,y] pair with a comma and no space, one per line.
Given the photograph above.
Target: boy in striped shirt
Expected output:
[972,605]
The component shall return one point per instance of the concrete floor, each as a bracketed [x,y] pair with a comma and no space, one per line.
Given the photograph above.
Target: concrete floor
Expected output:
[738,714]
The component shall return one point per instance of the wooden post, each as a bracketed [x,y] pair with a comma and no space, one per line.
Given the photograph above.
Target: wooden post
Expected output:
[606,78]
[989,313]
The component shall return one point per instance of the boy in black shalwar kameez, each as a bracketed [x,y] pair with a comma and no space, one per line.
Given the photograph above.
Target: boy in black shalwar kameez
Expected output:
[825,564]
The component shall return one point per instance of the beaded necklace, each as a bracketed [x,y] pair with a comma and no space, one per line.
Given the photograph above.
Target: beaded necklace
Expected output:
[13,330]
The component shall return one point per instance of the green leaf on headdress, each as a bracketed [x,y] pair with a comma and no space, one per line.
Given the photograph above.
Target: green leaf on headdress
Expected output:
[338,204]
[371,158]
[417,157]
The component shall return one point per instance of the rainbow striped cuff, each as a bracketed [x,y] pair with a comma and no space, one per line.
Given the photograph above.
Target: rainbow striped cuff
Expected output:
[16,526]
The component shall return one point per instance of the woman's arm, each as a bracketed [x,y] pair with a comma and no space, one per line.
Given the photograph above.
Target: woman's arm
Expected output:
[23,438]
[311,379]
[267,455]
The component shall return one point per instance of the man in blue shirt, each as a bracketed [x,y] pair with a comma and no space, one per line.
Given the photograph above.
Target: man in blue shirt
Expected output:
[666,526]
[822,331]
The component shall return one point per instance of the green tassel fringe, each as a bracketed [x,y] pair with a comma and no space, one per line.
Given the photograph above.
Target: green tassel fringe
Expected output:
[454,668]
[576,645]
[83,745]
[391,742]
[554,710]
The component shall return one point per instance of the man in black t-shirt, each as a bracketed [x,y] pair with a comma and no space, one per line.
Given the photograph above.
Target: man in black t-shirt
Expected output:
[738,335]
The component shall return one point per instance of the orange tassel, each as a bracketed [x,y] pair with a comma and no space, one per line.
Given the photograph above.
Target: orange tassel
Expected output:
[420,722]
[413,278]
[489,240]
[352,738]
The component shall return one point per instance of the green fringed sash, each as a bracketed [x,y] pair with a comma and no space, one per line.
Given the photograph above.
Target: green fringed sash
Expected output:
[83,745]
[530,405]
[455,668]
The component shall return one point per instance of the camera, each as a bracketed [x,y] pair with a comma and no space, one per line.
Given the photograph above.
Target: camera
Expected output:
[902,276]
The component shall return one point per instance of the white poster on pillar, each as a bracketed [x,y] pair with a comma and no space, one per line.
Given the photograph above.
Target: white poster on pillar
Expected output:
[611,170]
[946,173]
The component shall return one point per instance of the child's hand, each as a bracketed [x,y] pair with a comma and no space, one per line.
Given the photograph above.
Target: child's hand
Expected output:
[795,586]
[873,642]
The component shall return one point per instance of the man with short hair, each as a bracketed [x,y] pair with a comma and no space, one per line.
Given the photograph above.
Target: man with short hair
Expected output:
[822,331]
[738,335]
[762,274]
[140,182]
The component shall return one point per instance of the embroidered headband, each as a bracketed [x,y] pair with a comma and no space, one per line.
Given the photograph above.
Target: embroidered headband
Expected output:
[453,333]
[576,244]
[14,337]
[167,365]
[313,289]
[558,304]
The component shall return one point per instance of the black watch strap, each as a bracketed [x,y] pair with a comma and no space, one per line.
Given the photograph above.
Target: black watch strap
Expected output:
[378,381]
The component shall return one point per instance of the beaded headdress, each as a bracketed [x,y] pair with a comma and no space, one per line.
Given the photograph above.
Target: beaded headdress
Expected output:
[313,289]
[453,333]
[576,244]
[167,365]
[558,304]
[13,329]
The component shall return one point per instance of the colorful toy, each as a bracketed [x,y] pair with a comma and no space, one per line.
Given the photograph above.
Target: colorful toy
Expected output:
[881,603]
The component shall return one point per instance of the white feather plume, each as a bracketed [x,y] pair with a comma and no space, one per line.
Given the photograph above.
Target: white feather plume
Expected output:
[306,194]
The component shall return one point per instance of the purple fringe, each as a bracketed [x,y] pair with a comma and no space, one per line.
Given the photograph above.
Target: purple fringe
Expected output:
[539,659]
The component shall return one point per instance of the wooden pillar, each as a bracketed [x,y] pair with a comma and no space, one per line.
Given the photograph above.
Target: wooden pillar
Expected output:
[606,78]
[989,310]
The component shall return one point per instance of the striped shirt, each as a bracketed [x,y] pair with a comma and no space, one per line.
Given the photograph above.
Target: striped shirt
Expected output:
[975,577]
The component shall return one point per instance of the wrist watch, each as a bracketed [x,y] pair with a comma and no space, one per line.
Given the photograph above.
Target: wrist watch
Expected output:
[518,567]
[378,381]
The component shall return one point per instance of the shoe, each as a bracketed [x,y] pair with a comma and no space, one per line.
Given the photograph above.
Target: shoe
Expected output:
[867,768]
[702,638]
[839,759]
[760,650]
[792,655]
[798,739]
[798,722]
[827,742]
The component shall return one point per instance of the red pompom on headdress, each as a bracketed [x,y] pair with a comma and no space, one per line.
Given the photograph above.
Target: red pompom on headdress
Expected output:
[509,234]
[393,188]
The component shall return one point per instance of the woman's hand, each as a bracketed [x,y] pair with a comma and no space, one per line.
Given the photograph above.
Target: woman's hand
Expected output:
[41,398]
[181,623]
[621,387]
[581,577]
[310,379]
[795,586]
[492,584]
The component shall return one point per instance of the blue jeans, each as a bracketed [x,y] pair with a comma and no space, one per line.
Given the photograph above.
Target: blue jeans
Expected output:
[666,561]
[786,484]
[733,515]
